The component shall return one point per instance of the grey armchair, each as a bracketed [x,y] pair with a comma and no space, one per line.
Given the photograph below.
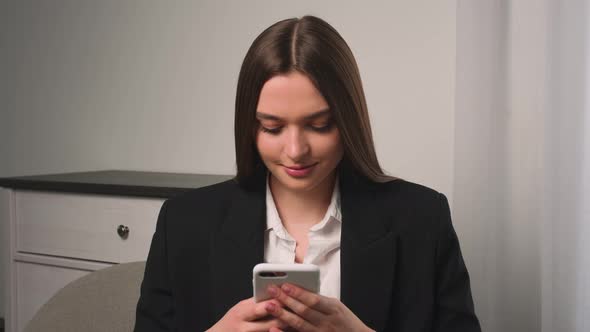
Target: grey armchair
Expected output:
[104,300]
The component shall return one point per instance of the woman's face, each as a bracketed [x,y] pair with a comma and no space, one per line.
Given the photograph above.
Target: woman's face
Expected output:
[297,138]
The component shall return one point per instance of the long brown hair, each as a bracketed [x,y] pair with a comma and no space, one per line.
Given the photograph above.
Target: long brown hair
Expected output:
[313,47]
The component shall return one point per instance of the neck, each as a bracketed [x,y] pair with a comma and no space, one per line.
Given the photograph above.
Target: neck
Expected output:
[303,208]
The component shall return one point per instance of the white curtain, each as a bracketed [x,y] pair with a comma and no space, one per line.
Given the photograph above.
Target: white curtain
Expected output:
[521,198]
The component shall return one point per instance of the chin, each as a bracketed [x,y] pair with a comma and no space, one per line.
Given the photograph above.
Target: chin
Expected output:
[305,185]
[301,184]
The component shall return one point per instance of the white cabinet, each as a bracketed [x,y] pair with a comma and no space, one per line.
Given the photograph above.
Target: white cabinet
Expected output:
[53,238]
[56,228]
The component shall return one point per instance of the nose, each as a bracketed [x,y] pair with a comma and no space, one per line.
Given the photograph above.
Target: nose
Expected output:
[296,145]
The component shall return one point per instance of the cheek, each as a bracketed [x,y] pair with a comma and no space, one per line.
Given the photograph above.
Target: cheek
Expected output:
[267,147]
[330,146]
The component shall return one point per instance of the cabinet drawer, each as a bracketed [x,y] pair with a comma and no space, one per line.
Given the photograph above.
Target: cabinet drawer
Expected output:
[85,226]
[36,284]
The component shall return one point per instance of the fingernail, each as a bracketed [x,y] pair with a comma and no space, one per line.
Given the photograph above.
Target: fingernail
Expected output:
[270,307]
[286,289]
[273,291]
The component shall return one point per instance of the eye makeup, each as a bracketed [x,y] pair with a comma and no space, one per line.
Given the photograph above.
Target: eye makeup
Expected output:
[273,131]
[320,129]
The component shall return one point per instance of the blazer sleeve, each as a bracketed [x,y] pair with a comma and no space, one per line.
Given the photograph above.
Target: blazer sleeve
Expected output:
[454,304]
[155,311]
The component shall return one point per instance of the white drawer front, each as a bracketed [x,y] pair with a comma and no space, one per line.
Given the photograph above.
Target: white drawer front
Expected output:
[85,226]
[36,284]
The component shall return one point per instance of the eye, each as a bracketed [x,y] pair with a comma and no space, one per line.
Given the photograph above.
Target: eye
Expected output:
[322,129]
[273,131]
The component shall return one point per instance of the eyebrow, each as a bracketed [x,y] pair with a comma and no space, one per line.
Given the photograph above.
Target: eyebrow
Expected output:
[265,116]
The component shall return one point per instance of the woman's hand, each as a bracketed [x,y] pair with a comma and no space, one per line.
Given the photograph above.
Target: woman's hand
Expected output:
[311,312]
[249,316]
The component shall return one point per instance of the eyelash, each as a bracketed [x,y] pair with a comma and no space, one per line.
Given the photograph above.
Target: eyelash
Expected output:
[275,131]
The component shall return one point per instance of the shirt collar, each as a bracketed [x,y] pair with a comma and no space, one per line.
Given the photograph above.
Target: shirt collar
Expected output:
[273,220]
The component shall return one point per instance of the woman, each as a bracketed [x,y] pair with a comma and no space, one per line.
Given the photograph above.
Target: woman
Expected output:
[308,189]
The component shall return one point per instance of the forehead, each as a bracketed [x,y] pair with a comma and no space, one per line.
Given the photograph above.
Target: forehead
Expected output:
[291,95]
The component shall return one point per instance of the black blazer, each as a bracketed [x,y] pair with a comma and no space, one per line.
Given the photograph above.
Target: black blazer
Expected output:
[401,265]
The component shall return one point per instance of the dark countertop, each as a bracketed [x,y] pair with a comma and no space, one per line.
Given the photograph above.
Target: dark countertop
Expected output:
[116,182]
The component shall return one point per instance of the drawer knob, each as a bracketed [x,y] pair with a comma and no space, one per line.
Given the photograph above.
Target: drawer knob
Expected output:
[123,231]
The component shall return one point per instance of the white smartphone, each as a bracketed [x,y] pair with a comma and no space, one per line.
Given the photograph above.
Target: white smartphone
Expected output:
[265,274]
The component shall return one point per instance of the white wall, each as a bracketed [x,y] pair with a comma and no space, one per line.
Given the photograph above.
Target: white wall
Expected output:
[147,85]
[150,85]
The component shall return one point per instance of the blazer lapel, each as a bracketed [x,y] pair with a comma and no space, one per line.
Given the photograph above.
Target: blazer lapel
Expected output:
[236,247]
[367,256]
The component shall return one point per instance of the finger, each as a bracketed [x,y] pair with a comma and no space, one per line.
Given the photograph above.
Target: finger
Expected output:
[292,319]
[315,301]
[274,329]
[306,312]
[255,310]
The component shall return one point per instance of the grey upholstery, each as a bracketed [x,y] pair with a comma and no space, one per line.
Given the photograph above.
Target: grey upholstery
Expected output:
[104,300]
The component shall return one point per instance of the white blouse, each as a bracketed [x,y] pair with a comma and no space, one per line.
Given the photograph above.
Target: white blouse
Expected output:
[324,242]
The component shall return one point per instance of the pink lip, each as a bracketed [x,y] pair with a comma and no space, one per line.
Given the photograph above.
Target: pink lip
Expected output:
[299,171]
[297,167]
